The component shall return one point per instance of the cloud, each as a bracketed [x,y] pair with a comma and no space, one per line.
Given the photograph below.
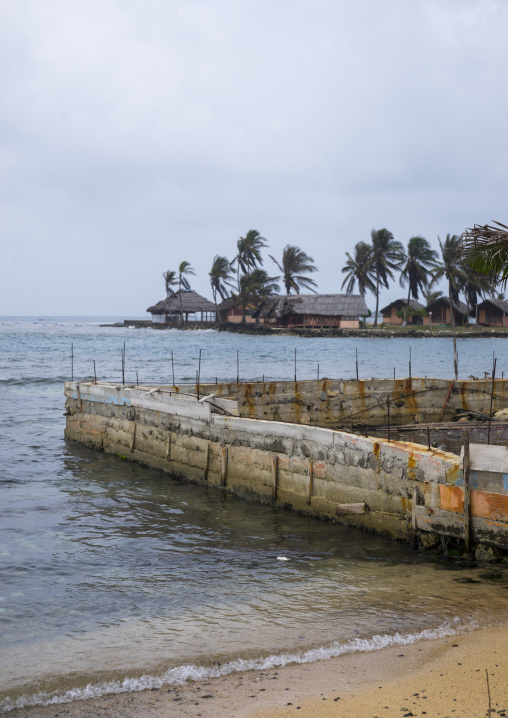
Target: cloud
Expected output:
[134,135]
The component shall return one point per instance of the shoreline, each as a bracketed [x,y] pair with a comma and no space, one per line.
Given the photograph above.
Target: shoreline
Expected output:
[387,332]
[439,677]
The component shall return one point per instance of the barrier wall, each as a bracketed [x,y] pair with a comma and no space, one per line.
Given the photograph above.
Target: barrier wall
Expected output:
[392,488]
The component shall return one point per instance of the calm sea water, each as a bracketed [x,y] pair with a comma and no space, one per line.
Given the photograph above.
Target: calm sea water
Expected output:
[115,577]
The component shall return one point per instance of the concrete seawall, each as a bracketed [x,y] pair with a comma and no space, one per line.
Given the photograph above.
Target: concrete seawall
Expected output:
[337,403]
[392,488]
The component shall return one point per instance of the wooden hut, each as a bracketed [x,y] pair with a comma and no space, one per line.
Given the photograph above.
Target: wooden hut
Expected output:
[194,307]
[231,311]
[492,312]
[315,311]
[439,312]
[391,310]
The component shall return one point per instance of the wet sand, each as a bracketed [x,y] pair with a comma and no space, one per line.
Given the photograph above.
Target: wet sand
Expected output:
[445,677]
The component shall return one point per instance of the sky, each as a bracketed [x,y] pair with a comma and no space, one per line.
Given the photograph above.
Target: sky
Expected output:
[135,134]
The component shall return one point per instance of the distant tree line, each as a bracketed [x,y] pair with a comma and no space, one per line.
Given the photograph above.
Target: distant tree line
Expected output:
[371,267]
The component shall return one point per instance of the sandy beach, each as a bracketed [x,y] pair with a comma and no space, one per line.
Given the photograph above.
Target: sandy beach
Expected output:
[443,677]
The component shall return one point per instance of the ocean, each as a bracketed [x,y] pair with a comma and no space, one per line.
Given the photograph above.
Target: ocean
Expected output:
[115,577]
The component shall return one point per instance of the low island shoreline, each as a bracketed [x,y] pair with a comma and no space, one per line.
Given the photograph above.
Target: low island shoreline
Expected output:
[382,332]
[452,676]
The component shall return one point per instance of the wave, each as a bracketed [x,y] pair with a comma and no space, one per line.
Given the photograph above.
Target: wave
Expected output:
[181,674]
[28,380]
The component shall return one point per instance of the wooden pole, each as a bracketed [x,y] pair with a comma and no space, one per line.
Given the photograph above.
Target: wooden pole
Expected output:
[491,398]
[455,358]
[207,461]
[318,372]
[295,365]
[311,478]
[356,364]
[467,493]
[388,414]
[237,366]
[428,438]
[72,361]
[199,371]
[410,362]
[414,504]
[123,368]
[94,373]
[173,367]
[137,379]
[224,466]
[275,473]
[394,372]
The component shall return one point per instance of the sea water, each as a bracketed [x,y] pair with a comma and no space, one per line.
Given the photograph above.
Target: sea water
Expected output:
[115,577]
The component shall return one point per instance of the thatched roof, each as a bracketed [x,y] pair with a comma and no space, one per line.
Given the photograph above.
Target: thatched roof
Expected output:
[403,303]
[499,303]
[325,305]
[458,306]
[191,302]
[228,303]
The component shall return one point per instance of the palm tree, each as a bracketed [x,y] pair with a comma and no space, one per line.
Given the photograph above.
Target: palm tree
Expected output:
[220,276]
[474,286]
[486,250]
[431,294]
[249,252]
[359,269]
[170,280]
[451,269]
[184,270]
[387,255]
[255,287]
[294,262]
[420,261]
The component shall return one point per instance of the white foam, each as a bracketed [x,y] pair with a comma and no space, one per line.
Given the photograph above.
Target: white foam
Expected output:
[181,674]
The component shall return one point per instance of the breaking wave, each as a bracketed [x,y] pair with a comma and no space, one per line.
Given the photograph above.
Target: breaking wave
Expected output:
[190,672]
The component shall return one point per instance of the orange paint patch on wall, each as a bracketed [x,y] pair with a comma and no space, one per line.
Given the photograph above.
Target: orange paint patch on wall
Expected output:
[483,503]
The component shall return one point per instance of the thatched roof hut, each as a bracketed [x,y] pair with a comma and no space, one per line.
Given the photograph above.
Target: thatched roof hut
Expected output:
[315,310]
[194,307]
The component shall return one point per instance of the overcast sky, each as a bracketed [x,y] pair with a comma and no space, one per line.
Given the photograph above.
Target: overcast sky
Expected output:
[135,134]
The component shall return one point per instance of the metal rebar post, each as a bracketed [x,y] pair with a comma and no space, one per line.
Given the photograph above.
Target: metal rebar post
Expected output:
[428,438]
[410,362]
[356,364]
[491,398]
[295,365]
[94,373]
[137,379]
[237,366]
[318,372]
[72,362]
[173,367]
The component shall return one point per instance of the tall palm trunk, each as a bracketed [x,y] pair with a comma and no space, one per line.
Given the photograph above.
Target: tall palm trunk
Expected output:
[377,298]
[404,323]
[452,310]
[181,302]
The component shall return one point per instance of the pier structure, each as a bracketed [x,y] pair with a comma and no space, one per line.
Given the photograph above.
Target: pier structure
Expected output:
[274,443]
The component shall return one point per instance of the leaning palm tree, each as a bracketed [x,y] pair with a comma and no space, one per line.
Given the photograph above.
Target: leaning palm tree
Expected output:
[255,287]
[474,286]
[421,260]
[249,252]
[387,256]
[184,270]
[359,270]
[451,269]
[220,279]
[485,248]
[170,280]
[294,262]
